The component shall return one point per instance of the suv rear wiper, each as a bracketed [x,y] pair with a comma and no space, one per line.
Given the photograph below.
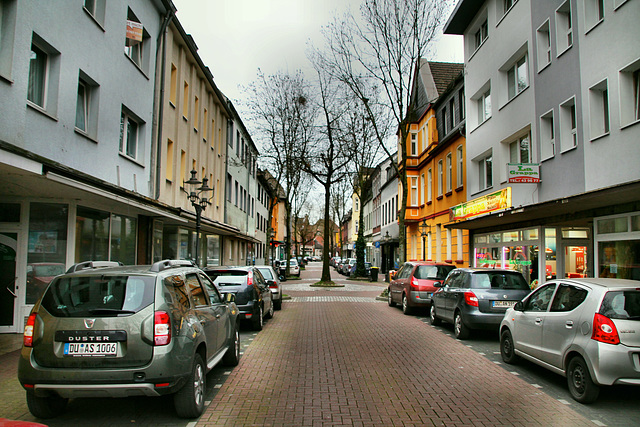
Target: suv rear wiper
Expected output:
[110,311]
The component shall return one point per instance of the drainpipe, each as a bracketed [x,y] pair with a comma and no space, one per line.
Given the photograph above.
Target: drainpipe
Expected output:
[159,107]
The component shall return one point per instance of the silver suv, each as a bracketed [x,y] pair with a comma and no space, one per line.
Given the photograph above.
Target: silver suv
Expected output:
[104,330]
[585,329]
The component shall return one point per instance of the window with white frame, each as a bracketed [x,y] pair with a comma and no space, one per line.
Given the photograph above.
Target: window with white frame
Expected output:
[414,144]
[520,150]
[7,31]
[137,50]
[422,189]
[87,105]
[449,173]
[483,103]
[599,109]
[593,13]
[414,191]
[96,8]
[481,34]
[452,114]
[445,122]
[547,136]
[568,125]
[130,128]
[630,93]
[507,5]
[44,71]
[543,43]
[485,172]
[440,178]
[564,28]
[429,185]
[517,79]
[461,104]
[460,168]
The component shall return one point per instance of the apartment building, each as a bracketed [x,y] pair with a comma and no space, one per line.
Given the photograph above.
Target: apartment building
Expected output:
[552,129]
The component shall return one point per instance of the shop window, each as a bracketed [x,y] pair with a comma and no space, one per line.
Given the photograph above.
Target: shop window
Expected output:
[612,225]
[47,246]
[619,259]
[575,233]
[550,253]
[101,236]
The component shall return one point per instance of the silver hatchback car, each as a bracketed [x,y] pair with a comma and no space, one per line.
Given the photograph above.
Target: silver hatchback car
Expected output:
[585,329]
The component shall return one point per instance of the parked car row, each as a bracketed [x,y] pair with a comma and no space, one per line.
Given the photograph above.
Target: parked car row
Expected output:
[104,329]
[585,329]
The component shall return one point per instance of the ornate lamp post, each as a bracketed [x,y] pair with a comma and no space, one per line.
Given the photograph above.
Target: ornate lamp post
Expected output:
[199,200]
[423,232]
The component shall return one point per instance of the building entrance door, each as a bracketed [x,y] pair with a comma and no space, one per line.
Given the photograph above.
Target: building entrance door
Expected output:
[8,288]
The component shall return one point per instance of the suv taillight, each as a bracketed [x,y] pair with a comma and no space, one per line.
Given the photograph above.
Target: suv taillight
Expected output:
[604,330]
[161,328]
[250,278]
[27,339]
[471,299]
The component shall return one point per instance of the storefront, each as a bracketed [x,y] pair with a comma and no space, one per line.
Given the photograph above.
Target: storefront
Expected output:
[617,241]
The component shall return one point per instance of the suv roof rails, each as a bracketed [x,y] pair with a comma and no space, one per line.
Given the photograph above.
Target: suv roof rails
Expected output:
[171,263]
[86,265]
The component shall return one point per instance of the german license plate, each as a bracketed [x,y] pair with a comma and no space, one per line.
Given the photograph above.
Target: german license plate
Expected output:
[90,349]
[504,304]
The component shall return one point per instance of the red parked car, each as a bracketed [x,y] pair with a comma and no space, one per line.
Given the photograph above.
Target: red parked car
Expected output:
[412,285]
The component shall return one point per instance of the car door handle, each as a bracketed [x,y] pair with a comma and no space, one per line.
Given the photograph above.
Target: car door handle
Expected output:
[569,324]
[538,321]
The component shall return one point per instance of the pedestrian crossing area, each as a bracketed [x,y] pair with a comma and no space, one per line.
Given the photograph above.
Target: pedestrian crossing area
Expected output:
[331,298]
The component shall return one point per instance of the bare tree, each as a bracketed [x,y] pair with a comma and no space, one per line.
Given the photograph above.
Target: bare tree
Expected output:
[281,116]
[379,51]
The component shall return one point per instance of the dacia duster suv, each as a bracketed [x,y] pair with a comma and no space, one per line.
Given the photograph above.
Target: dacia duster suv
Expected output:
[104,330]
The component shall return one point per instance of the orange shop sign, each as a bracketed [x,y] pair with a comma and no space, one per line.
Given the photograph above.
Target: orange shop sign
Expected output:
[134,32]
[482,205]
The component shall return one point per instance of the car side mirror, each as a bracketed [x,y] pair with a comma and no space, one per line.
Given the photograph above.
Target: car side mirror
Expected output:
[230,297]
[519,306]
[438,284]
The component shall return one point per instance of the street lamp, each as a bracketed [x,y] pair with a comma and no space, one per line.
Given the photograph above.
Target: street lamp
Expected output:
[423,233]
[199,201]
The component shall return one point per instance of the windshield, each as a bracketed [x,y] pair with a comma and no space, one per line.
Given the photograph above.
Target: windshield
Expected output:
[621,305]
[104,295]
[433,272]
[499,280]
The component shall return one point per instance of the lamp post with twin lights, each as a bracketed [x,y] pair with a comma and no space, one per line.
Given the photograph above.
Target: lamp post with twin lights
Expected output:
[423,232]
[198,197]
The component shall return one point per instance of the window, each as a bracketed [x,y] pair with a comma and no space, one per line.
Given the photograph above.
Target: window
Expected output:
[462,104]
[547,136]
[229,188]
[630,93]
[7,32]
[129,133]
[87,105]
[173,88]
[593,13]
[599,109]
[414,191]
[507,5]
[484,106]
[137,42]
[169,174]
[452,114]
[105,236]
[459,179]
[440,178]
[429,185]
[445,122]
[205,123]
[96,8]
[564,30]
[44,70]
[485,173]
[422,189]
[185,101]
[449,173]
[414,144]
[517,77]
[520,150]
[481,34]
[568,125]
[543,41]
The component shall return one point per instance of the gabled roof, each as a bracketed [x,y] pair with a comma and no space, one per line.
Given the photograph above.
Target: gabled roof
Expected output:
[433,81]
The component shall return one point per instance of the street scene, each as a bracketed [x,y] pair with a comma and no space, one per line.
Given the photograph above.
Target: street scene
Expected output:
[341,356]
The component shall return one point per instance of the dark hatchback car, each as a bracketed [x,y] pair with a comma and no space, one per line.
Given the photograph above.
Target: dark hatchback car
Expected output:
[106,330]
[476,298]
[413,284]
[252,294]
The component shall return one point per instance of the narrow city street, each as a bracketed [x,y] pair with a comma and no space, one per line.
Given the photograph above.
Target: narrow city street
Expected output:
[339,357]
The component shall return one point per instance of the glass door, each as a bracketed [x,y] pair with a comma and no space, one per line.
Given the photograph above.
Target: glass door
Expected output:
[8,289]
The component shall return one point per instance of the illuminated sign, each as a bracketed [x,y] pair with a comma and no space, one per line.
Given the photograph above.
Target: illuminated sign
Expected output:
[483,205]
[523,173]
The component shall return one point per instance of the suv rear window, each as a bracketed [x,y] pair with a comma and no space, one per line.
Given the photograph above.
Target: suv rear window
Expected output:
[432,271]
[499,280]
[621,305]
[266,273]
[98,295]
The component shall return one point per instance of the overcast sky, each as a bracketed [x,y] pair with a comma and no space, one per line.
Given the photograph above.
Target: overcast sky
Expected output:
[236,37]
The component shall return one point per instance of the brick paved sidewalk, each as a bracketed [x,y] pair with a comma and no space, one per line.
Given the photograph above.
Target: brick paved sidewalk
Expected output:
[363,364]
